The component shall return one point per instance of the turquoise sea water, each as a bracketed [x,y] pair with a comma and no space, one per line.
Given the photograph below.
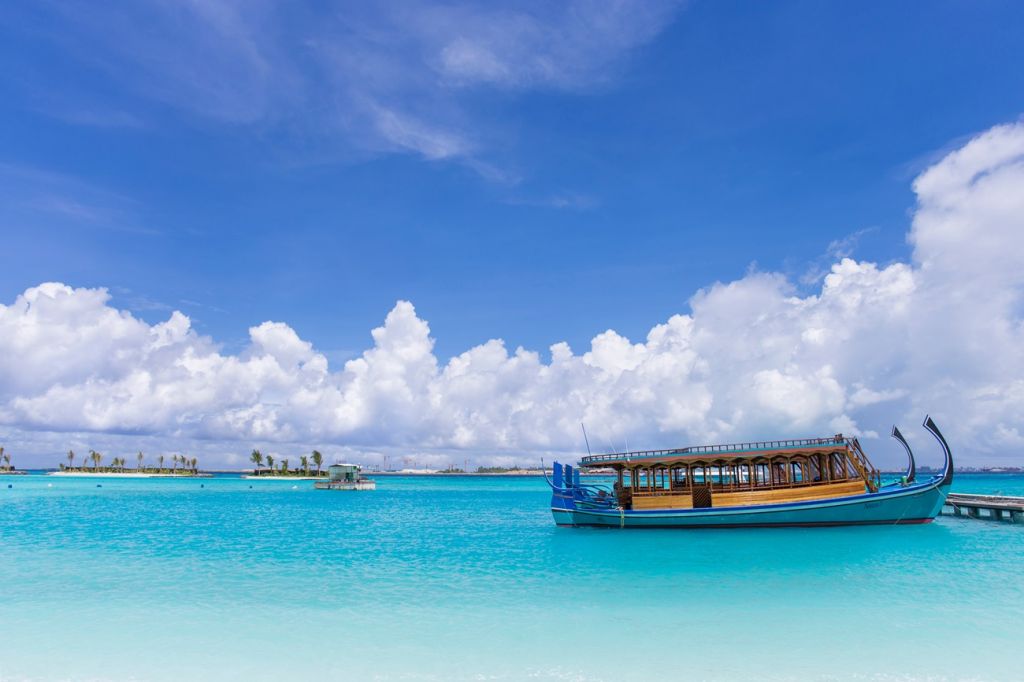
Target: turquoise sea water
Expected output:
[469,579]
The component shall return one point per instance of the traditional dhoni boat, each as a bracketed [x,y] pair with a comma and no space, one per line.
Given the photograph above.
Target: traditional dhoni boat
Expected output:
[806,482]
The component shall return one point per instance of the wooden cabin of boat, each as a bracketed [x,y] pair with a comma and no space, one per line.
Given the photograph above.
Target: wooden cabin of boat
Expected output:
[741,474]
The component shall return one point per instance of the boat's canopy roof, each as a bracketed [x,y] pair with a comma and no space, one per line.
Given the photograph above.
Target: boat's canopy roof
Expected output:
[715,453]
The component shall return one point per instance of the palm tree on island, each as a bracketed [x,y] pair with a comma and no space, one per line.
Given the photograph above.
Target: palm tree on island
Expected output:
[270,464]
[318,460]
[305,465]
[194,463]
[138,458]
[257,459]
[71,459]
[161,460]
[284,467]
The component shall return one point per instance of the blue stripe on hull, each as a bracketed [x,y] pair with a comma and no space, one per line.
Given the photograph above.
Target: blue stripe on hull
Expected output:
[706,526]
[916,504]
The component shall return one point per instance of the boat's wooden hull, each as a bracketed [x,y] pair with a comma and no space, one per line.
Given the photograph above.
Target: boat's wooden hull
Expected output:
[890,505]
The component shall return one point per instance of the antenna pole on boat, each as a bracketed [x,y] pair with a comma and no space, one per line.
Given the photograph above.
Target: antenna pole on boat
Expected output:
[585,439]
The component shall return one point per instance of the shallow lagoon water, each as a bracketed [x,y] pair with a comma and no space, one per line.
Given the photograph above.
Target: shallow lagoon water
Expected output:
[432,578]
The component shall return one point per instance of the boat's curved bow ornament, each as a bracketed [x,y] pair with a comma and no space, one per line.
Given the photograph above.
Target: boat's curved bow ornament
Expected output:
[912,468]
[947,472]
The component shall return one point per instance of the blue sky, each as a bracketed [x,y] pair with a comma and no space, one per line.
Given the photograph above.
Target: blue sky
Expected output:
[737,135]
[531,172]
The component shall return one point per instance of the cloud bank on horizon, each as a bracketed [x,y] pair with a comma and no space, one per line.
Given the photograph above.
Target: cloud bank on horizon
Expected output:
[876,344]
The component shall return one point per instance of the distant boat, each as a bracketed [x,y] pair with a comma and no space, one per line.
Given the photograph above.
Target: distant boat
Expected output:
[345,477]
[807,482]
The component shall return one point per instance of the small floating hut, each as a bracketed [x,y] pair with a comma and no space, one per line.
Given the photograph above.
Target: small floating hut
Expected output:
[345,477]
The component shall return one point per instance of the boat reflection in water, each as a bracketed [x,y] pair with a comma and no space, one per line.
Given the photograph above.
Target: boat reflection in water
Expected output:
[808,482]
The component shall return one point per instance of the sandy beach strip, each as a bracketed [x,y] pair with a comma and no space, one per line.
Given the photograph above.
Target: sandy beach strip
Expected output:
[126,474]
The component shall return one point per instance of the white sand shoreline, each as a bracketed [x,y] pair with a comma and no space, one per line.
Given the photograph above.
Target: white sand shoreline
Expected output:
[126,474]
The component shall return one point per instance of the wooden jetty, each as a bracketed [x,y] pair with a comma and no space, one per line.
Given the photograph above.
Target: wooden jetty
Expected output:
[996,507]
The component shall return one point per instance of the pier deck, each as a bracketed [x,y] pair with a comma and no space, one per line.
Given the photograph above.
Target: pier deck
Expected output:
[996,507]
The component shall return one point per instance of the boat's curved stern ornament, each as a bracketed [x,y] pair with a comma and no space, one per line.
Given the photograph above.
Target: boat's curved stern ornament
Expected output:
[947,472]
[911,468]
[569,496]
[561,497]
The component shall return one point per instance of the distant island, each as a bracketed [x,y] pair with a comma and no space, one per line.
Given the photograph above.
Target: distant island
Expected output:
[456,471]
[5,464]
[310,467]
[118,466]
[283,471]
[977,470]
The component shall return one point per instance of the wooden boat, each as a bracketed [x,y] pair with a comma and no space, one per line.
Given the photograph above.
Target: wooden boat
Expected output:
[806,482]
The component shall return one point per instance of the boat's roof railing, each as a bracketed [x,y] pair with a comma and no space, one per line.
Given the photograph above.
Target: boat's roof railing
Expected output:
[728,449]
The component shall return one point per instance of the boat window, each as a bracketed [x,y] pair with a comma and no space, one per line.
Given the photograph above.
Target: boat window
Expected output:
[839,466]
[818,469]
[678,477]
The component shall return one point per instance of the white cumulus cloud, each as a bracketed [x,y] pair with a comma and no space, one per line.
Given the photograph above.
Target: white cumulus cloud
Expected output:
[752,358]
